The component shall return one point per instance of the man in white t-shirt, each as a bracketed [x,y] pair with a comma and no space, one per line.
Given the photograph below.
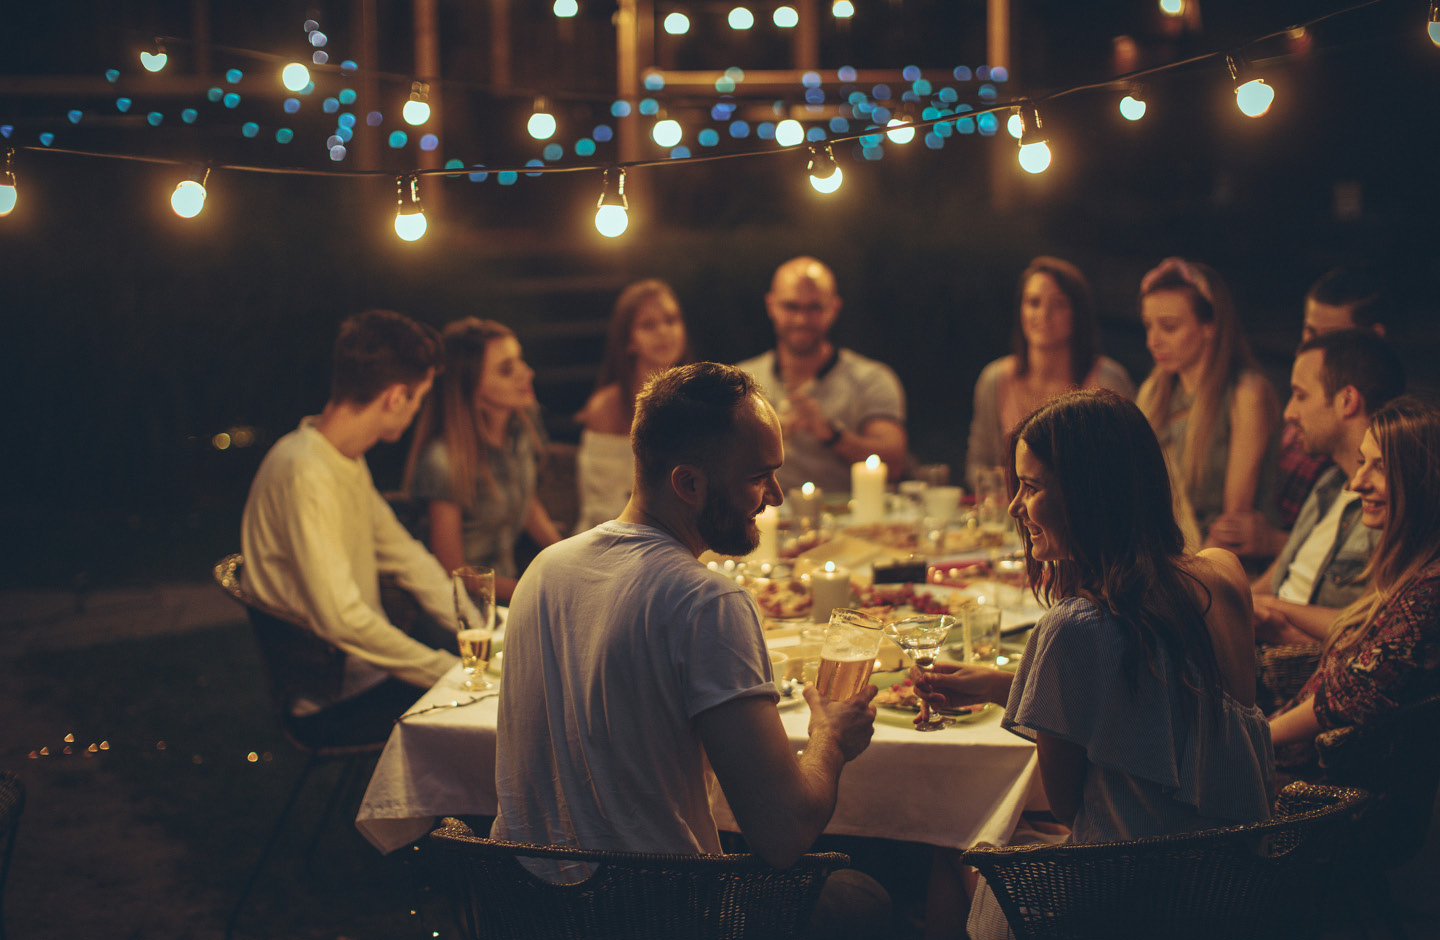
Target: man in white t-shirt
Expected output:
[316,535]
[632,671]
[1339,379]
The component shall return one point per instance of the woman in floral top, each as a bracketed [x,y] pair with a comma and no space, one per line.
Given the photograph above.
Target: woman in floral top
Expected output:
[1384,650]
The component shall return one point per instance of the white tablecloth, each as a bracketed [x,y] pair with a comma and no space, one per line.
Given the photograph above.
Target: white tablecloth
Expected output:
[950,788]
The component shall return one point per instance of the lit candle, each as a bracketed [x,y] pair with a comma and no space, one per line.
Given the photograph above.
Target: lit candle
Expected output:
[829,588]
[805,507]
[867,490]
[768,522]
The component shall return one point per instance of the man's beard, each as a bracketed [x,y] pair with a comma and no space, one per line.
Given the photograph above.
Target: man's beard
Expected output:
[724,529]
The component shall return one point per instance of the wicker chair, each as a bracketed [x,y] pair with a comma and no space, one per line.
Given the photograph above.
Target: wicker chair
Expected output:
[297,664]
[628,896]
[1264,880]
[12,804]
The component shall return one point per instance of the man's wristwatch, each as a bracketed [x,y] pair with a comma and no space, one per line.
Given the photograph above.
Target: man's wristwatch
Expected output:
[835,431]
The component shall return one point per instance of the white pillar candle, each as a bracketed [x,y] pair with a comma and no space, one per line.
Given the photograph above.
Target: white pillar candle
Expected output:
[805,502]
[829,588]
[867,491]
[768,522]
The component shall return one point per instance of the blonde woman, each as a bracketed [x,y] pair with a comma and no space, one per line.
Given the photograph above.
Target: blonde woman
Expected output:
[475,459]
[1214,412]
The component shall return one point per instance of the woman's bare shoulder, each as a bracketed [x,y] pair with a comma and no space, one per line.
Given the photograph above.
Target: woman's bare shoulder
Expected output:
[602,413]
[1221,573]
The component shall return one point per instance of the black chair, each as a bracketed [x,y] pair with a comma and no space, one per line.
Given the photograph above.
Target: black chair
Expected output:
[12,804]
[1264,880]
[298,664]
[628,895]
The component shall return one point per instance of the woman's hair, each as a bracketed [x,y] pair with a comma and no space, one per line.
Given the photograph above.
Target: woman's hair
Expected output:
[1227,356]
[451,413]
[1407,431]
[1124,544]
[618,367]
[1084,332]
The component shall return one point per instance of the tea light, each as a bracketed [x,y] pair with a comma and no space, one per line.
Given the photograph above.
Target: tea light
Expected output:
[768,522]
[829,588]
[867,490]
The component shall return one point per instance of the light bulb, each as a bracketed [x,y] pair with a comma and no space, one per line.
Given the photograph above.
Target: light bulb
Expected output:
[566,8]
[154,61]
[415,112]
[1432,28]
[542,123]
[1254,98]
[7,198]
[1132,108]
[612,216]
[902,136]
[667,132]
[677,24]
[295,76]
[410,221]
[1015,125]
[741,18]
[1035,158]
[789,132]
[188,199]
[785,17]
[843,9]
[825,173]
[1172,7]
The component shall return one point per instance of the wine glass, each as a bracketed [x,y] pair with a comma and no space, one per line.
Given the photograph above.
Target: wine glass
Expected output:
[474,588]
[921,637]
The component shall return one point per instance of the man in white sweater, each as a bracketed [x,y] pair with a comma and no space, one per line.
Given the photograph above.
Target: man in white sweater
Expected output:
[317,535]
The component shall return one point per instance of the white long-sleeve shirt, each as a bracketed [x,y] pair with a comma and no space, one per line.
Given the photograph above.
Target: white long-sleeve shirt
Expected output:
[316,536]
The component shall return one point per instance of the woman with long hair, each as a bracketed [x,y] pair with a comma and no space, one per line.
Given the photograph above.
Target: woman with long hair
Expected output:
[1383,651]
[1056,343]
[476,455]
[646,334]
[1214,412]
[1138,683]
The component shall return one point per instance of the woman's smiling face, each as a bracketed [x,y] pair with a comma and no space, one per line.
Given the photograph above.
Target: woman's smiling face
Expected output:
[1039,507]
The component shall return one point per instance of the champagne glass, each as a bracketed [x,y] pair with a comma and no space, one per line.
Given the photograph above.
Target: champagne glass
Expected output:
[921,637]
[474,587]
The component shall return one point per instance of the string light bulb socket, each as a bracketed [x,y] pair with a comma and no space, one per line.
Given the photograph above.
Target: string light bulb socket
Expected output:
[612,213]
[154,61]
[417,109]
[825,174]
[8,192]
[1252,96]
[542,123]
[1034,154]
[410,222]
[189,196]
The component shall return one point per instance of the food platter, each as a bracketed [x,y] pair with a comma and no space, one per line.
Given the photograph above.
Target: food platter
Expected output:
[888,601]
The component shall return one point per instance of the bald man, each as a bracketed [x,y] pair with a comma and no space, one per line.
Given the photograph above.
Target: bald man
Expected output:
[836,406]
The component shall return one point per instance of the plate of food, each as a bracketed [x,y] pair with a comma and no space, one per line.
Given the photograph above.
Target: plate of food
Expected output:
[900,700]
[780,598]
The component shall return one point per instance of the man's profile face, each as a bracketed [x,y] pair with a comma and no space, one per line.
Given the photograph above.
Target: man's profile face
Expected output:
[1309,408]
[802,309]
[1325,318]
[742,482]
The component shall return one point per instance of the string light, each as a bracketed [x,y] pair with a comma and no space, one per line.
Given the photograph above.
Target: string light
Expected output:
[189,196]
[8,193]
[295,77]
[1433,27]
[901,135]
[825,174]
[154,61]
[785,17]
[612,215]
[410,221]
[789,133]
[677,24]
[417,110]
[542,123]
[1034,150]
[741,18]
[566,8]
[667,131]
[1252,96]
[1172,7]
[1132,106]
[843,9]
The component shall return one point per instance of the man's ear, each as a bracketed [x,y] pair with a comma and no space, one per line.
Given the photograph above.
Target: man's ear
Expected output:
[1349,401]
[395,397]
[688,482]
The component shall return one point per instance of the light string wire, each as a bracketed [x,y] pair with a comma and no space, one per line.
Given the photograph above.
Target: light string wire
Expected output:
[1119,82]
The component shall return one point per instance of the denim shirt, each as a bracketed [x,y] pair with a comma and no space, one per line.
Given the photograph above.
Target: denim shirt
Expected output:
[1337,582]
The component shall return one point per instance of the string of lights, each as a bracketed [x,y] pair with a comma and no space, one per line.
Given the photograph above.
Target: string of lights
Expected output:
[1253,97]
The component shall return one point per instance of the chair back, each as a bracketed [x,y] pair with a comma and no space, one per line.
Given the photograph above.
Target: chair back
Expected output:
[1262,880]
[12,804]
[629,895]
[298,664]
[1397,759]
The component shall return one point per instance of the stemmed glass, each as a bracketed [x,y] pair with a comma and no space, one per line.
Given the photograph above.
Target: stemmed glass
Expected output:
[921,637]
[474,587]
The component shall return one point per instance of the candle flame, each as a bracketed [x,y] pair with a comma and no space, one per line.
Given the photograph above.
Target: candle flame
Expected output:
[873,461]
[808,489]
[830,567]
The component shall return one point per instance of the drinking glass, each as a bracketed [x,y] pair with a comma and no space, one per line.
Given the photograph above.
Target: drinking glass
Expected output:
[991,503]
[981,631]
[848,655]
[807,651]
[474,589]
[921,637]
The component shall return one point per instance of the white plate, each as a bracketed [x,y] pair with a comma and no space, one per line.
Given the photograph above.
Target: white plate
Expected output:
[790,701]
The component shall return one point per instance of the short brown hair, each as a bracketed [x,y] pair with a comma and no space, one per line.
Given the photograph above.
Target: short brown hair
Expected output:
[686,415]
[377,349]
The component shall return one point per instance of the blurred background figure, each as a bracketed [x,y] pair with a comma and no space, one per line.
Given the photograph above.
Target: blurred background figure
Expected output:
[1056,346]
[647,334]
[475,459]
[1211,407]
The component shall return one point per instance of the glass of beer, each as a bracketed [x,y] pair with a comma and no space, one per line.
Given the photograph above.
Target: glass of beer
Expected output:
[474,587]
[851,641]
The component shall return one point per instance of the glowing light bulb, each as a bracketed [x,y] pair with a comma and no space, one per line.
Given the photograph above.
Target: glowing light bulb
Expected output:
[667,132]
[188,199]
[785,17]
[415,112]
[154,61]
[1432,28]
[677,24]
[789,132]
[843,9]
[1015,125]
[1035,158]
[542,123]
[902,136]
[566,8]
[612,216]
[7,198]
[1132,108]
[1254,98]
[825,173]
[410,222]
[741,18]
[1172,7]
[295,76]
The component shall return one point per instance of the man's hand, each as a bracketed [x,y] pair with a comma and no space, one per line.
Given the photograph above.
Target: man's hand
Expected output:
[1247,533]
[803,414]
[850,724]
[950,685]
